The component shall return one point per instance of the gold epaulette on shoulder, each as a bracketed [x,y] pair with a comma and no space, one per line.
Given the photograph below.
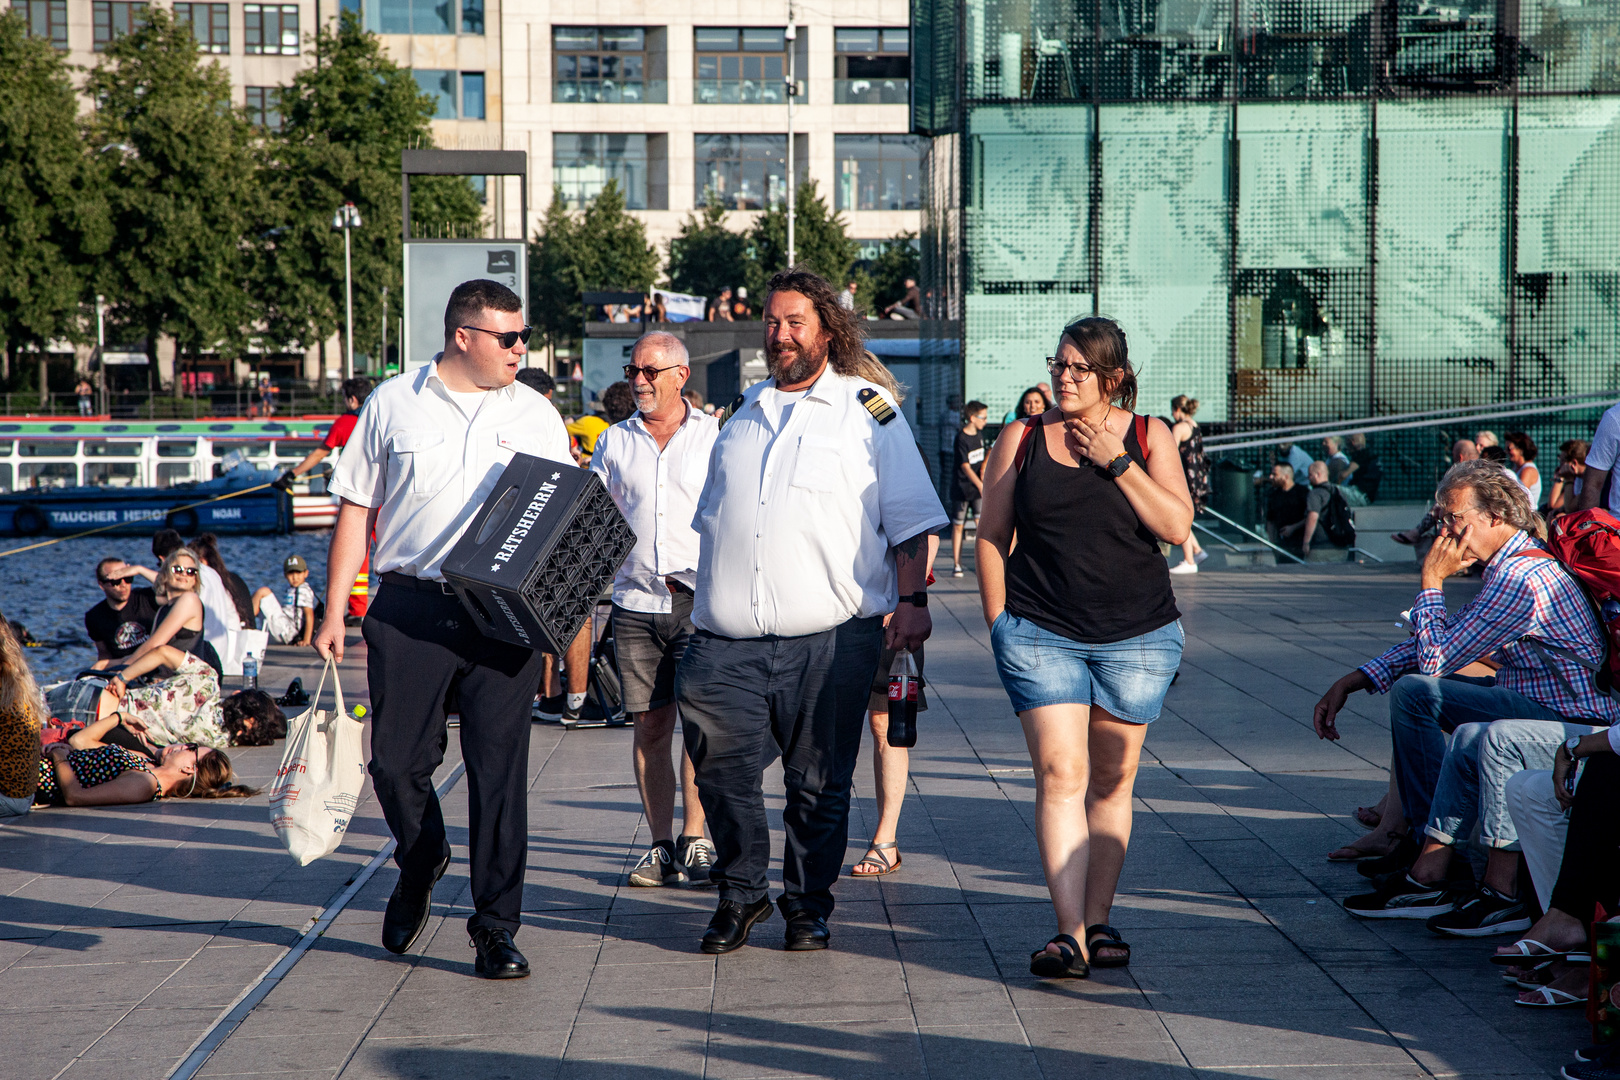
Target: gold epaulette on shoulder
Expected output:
[730,409]
[880,410]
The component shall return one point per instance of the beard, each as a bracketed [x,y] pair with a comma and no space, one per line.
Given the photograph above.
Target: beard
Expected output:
[789,365]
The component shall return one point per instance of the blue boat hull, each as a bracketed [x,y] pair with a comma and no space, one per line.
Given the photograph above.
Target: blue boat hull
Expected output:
[142,511]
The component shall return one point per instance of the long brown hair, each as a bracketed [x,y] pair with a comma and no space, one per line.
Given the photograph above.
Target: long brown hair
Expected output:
[1102,342]
[17,685]
[214,779]
[846,341]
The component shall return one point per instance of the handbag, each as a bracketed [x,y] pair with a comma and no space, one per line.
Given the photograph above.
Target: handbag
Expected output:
[318,785]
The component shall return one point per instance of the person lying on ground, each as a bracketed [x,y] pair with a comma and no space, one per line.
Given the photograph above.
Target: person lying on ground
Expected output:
[102,774]
[120,623]
[1486,519]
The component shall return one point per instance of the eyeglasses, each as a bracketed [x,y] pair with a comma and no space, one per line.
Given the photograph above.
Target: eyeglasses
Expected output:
[1449,521]
[507,338]
[651,373]
[188,571]
[1077,372]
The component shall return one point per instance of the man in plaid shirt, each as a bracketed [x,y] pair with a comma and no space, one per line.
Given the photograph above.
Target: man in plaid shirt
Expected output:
[1484,518]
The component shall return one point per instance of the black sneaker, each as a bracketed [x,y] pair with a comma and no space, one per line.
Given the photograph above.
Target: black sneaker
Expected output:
[697,856]
[1605,1069]
[1398,861]
[571,715]
[1404,898]
[549,709]
[1608,1053]
[658,867]
[1482,914]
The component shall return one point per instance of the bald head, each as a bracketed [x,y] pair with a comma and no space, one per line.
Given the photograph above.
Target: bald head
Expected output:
[1318,472]
[1463,450]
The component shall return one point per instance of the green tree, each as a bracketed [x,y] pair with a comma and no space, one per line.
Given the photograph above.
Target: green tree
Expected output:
[179,173]
[820,239]
[344,125]
[52,217]
[705,256]
[897,261]
[604,248]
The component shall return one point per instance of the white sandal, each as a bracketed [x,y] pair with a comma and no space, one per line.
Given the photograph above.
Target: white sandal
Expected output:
[1549,999]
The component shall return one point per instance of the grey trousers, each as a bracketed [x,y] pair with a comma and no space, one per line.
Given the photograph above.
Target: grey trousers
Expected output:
[743,702]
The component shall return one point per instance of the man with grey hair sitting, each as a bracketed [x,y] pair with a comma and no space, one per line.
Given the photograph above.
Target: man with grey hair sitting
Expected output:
[1484,518]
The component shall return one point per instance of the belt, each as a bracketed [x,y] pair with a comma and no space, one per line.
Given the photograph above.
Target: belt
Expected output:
[406,581]
[675,585]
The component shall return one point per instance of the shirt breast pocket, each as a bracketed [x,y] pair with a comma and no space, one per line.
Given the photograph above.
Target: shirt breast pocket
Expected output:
[818,466]
[418,460]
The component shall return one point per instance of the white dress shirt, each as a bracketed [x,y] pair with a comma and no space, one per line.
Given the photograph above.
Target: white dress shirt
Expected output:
[657,492]
[427,463]
[803,502]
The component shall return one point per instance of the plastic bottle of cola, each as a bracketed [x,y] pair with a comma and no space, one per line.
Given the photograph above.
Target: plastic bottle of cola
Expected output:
[903,700]
[250,672]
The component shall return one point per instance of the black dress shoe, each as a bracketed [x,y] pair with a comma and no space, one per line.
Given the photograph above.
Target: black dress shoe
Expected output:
[806,932]
[408,910]
[732,921]
[498,958]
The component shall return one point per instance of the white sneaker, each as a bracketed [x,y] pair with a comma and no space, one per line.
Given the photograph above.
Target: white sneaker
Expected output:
[1184,568]
[1201,556]
[956,571]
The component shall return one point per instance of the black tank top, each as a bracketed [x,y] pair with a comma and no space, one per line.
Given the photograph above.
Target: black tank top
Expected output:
[184,640]
[1084,566]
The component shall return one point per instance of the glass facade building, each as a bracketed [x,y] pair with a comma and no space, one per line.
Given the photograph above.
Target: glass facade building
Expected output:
[1299,210]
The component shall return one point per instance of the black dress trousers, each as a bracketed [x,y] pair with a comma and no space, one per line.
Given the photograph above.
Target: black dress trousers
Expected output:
[742,702]
[422,643]
[1590,872]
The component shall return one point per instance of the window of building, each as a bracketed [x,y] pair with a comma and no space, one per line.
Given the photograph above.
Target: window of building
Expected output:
[741,65]
[879,172]
[602,64]
[872,67]
[741,172]
[270,29]
[472,95]
[441,87]
[421,16]
[112,19]
[210,25]
[582,165]
[263,107]
[46,19]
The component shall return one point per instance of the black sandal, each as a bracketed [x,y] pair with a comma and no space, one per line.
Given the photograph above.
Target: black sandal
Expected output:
[1105,936]
[1068,964]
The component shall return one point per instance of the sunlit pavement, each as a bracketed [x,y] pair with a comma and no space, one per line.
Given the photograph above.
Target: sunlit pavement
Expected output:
[128,932]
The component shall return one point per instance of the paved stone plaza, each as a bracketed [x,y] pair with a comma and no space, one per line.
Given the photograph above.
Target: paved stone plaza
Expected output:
[128,932]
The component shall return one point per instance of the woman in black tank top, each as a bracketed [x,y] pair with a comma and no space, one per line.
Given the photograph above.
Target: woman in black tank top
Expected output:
[1082,618]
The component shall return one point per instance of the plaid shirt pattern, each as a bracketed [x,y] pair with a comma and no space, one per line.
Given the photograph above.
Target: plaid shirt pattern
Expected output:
[1523,597]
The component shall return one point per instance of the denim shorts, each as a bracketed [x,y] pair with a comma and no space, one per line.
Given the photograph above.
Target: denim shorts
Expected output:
[79,700]
[1127,678]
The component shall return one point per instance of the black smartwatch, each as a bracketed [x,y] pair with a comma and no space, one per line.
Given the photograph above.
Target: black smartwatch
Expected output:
[1117,467]
[916,599]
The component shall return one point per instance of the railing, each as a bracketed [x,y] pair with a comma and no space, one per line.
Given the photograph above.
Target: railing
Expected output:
[872,91]
[610,91]
[743,92]
[290,399]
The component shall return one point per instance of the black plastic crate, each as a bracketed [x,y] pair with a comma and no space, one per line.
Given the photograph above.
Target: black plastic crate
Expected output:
[538,554]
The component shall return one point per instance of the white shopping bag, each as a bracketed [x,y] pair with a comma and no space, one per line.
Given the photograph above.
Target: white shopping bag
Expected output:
[318,785]
[238,643]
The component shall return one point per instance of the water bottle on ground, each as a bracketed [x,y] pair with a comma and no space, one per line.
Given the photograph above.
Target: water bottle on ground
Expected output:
[903,700]
[250,672]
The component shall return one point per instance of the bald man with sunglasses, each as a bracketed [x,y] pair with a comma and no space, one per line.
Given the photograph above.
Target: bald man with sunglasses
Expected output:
[428,449]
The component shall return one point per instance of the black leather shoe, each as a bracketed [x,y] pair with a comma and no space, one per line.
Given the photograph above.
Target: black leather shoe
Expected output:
[498,958]
[806,932]
[408,910]
[732,921]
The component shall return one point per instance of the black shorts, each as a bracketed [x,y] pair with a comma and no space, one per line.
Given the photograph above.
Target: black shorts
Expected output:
[648,646]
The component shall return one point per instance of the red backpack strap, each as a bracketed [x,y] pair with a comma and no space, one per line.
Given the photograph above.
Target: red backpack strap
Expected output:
[1023,441]
[1141,435]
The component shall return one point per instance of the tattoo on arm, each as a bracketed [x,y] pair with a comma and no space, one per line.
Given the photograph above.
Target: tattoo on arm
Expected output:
[912,548]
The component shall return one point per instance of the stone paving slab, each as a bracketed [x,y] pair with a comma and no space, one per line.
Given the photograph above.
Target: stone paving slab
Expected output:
[125,932]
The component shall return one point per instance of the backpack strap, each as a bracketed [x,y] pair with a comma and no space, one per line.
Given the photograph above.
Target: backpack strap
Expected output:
[1141,435]
[1023,441]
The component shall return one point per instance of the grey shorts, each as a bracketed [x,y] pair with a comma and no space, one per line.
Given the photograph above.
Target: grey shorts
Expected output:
[79,700]
[962,509]
[648,646]
[879,700]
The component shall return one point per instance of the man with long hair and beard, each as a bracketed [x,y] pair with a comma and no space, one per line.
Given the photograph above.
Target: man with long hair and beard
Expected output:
[813,526]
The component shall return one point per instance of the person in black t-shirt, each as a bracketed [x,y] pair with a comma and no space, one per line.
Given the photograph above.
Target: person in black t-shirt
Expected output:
[967,471]
[120,623]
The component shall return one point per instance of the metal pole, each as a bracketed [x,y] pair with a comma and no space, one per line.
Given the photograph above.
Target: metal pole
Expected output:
[348,305]
[382,357]
[101,350]
[792,88]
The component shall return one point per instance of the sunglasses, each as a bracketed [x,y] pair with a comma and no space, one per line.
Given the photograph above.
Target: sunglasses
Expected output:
[507,338]
[113,580]
[188,571]
[650,373]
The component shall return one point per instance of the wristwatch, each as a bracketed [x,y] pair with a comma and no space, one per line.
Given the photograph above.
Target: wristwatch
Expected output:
[916,599]
[1117,467]
[1572,744]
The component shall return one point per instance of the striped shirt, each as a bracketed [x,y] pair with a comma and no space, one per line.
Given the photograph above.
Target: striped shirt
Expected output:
[1525,597]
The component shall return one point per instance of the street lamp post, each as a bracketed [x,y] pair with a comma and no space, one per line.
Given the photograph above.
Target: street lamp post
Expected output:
[347,218]
[792,89]
[382,359]
[101,349]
